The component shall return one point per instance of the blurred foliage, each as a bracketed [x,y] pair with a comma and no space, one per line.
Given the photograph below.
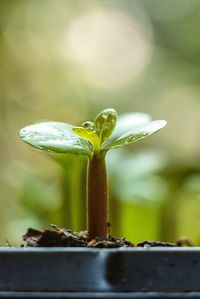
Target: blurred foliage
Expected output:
[65,61]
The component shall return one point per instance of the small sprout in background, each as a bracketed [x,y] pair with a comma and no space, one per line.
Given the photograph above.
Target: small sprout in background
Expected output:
[94,140]
[137,192]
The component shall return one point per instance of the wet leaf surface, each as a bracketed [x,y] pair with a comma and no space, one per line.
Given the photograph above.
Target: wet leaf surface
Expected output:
[137,133]
[55,137]
[105,123]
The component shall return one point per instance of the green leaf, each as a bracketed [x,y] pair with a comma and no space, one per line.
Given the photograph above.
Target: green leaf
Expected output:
[105,123]
[127,122]
[55,137]
[89,134]
[137,134]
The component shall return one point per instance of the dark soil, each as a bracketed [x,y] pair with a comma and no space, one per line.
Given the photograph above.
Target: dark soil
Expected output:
[60,237]
[67,238]
[156,244]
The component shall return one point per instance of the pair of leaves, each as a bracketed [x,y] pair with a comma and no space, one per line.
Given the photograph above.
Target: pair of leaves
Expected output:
[60,137]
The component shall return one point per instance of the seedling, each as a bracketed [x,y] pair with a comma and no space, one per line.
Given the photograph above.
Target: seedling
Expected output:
[94,140]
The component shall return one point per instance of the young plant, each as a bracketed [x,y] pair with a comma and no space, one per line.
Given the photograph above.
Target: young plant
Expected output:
[94,140]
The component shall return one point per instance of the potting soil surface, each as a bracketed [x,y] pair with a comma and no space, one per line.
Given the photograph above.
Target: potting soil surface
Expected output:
[59,237]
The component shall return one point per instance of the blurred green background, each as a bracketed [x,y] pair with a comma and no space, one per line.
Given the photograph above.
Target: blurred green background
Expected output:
[66,60]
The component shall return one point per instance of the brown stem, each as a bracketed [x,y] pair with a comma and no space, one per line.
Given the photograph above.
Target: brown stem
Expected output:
[97,202]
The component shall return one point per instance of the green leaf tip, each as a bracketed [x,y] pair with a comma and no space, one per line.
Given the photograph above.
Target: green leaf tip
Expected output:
[105,123]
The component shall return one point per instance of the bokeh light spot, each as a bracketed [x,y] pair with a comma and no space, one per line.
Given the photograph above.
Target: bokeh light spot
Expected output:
[109,48]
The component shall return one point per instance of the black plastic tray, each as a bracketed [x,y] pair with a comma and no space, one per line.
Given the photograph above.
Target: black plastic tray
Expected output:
[81,272]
